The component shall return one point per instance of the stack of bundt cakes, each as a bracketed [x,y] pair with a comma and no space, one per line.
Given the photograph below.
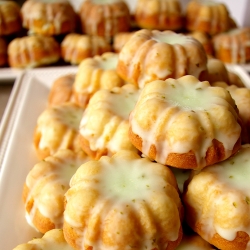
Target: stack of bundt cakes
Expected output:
[97,26]
[146,145]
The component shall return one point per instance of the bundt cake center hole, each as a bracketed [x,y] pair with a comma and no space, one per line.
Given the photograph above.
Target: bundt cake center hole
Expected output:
[188,99]
[127,183]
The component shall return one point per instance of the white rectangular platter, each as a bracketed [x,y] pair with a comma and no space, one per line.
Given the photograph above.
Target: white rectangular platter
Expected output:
[17,155]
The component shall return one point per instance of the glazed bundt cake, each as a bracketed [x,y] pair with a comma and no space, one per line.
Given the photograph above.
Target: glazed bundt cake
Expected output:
[242,100]
[62,90]
[205,40]
[54,239]
[10,18]
[57,128]
[209,16]
[233,46]
[3,52]
[104,125]
[33,51]
[217,202]
[185,123]
[76,47]
[123,202]
[54,17]
[45,186]
[104,18]
[159,14]
[98,72]
[120,39]
[153,55]
[216,72]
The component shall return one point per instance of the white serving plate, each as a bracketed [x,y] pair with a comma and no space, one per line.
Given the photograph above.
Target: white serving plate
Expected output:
[8,75]
[17,155]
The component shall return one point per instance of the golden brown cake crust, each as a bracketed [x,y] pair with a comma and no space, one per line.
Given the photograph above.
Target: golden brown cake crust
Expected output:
[104,19]
[215,153]
[48,17]
[10,18]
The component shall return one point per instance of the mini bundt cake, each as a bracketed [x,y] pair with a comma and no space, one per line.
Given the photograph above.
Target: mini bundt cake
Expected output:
[185,123]
[120,39]
[205,40]
[98,72]
[233,46]
[104,18]
[10,18]
[159,14]
[62,90]
[45,17]
[45,186]
[123,202]
[33,51]
[208,16]
[76,47]
[104,125]
[3,52]
[54,239]
[242,100]
[57,128]
[217,202]
[216,72]
[153,55]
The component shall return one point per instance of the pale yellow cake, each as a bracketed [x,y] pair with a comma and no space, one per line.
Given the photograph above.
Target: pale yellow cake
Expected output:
[217,202]
[48,17]
[123,202]
[185,123]
[57,128]
[104,125]
[95,73]
[52,240]
[45,186]
[158,55]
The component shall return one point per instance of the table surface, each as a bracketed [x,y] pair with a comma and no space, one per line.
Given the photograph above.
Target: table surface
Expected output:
[5,91]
